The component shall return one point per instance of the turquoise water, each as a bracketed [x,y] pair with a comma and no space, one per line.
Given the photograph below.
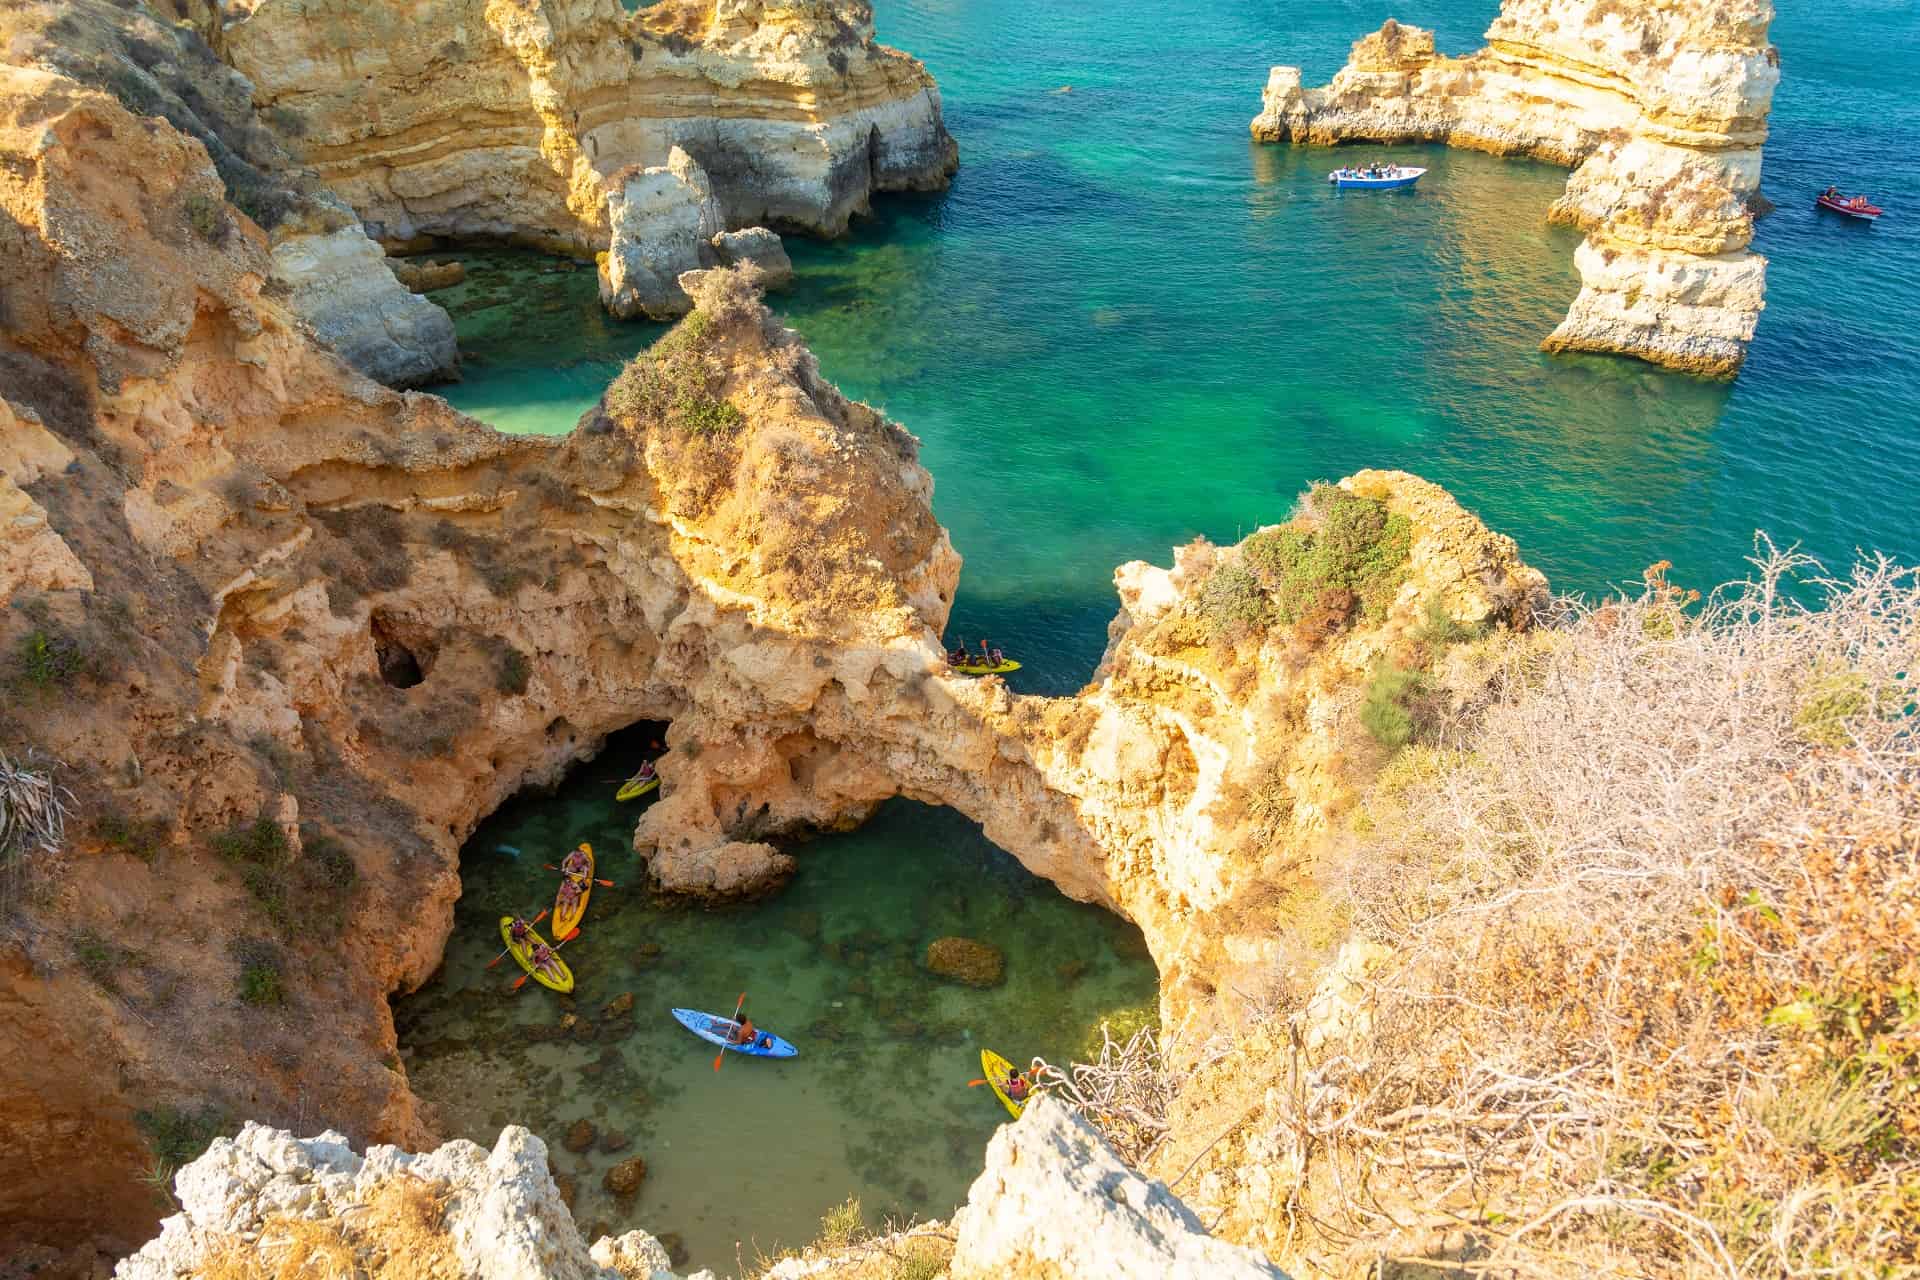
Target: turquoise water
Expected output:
[1126,324]
[876,1105]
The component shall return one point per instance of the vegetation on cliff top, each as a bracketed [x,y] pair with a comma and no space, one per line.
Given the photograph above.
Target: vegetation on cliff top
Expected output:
[1651,974]
[1340,556]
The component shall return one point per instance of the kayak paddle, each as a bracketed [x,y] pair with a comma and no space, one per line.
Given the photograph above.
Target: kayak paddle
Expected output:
[604,884]
[521,981]
[738,1006]
[503,955]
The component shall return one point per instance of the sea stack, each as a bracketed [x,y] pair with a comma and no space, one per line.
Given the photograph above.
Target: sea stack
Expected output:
[1661,110]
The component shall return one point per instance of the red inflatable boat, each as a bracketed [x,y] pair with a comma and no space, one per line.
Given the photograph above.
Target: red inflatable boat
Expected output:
[1852,206]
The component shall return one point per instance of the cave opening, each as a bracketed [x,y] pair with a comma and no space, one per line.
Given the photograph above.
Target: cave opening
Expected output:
[837,963]
[400,667]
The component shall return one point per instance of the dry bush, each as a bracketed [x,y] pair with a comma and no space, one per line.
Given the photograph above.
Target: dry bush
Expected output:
[1654,1006]
[1124,1093]
[397,1233]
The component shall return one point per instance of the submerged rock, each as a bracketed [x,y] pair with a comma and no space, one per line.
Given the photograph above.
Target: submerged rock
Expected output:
[624,1179]
[621,1006]
[424,276]
[613,1140]
[580,1135]
[965,960]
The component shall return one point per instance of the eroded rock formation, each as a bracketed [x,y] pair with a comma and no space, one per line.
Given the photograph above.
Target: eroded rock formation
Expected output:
[1661,109]
[1052,1201]
[477,119]
[456,1210]
[336,280]
[293,634]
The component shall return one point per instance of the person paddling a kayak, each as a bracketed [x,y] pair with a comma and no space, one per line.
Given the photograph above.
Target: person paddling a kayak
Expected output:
[519,931]
[569,894]
[1018,1087]
[743,1032]
[544,960]
[577,863]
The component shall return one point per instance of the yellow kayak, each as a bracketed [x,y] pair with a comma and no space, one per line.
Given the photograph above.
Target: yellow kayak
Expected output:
[562,983]
[564,920]
[997,1070]
[982,669]
[636,786]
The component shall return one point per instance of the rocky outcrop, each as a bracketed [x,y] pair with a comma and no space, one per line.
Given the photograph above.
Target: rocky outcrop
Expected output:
[762,248]
[341,285]
[330,627]
[1661,110]
[336,278]
[794,110]
[664,220]
[1055,1201]
[459,1210]
[314,630]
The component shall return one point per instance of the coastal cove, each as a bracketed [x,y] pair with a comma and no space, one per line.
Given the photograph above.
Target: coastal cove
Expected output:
[875,1107]
[1126,324]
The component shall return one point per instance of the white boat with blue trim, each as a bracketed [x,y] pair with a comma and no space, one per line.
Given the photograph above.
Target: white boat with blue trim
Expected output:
[1375,177]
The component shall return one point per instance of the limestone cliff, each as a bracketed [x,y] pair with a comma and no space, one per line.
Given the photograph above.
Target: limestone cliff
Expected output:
[482,119]
[459,1210]
[1660,109]
[336,280]
[1052,1201]
[292,634]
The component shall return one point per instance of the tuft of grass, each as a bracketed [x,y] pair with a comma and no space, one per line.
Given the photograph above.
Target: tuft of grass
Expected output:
[841,1225]
[307,895]
[1389,711]
[49,659]
[207,217]
[514,672]
[101,960]
[1827,702]
[672,384]
[177,1137]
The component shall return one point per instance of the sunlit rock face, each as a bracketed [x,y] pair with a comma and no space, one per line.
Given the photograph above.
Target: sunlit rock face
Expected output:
[485,119]
[1661,105]
[332,276]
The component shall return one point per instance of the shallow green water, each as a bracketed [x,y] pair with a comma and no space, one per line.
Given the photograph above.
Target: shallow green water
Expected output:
[877,1104]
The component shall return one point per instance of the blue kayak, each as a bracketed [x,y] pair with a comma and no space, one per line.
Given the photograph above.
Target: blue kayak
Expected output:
[1383,180]
[715,1029]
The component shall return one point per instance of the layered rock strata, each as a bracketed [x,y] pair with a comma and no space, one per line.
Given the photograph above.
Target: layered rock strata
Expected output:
[336,279]
[1661,110]
[293,635]
[312,631]
[475,119]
